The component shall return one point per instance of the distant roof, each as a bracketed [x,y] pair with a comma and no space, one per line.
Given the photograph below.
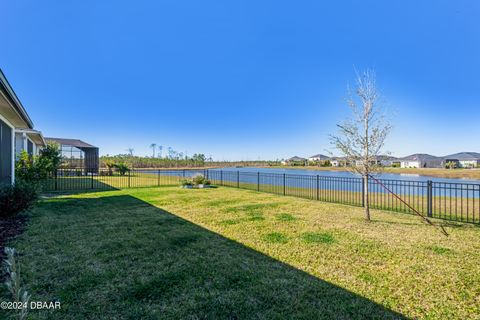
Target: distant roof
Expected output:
[386,157]
[296,158]
[71,142]
[465,156]
[320,156]
[420,157]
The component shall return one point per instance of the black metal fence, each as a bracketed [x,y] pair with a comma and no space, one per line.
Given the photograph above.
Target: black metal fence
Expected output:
[445,200]
[84,179]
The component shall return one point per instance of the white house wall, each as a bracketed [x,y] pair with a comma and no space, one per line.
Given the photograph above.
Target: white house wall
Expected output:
[468,163]
[410,164]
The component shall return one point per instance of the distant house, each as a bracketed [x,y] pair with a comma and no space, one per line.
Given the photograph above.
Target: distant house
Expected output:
[77,154]
[318,157]
[388,161]
[295,161]
[464,159]
[339,162]
[421,160]
[383,161]
[16,131]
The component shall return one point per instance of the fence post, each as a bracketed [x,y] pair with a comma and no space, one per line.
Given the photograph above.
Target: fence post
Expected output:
[56,176]
[158,177]
[238,179]
[363,191]
[129,178]
[318,189]
[206,173]
[284,184]
[184,173]
[91,184]
[429,198]
[221,177]
[258,181]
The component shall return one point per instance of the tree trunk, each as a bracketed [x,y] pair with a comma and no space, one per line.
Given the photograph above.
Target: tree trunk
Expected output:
[365,198]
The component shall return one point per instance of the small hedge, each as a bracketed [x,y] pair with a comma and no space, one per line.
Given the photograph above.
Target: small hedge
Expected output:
[17,198]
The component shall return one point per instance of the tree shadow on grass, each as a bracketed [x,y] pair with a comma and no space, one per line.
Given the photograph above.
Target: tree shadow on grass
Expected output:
[120,257]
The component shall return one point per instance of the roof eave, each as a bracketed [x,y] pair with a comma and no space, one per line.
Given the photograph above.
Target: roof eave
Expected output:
[17,105]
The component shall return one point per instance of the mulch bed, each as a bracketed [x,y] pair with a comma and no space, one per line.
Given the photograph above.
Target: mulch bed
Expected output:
[10,228]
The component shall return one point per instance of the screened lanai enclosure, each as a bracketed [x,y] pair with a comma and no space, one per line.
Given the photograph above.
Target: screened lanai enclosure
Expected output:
[78,155]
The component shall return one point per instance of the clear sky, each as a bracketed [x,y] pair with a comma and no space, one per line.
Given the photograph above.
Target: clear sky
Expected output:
[243,79]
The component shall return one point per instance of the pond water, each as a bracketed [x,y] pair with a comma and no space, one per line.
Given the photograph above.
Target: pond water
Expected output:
[274,179]
[346,174]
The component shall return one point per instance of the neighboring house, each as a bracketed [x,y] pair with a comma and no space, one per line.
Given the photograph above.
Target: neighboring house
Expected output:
[77,154]
[295,161]
[464,159]
[388,161]
[383,161]
[14,120]
[339,162]
[318,157]
[29,140]
[421,160]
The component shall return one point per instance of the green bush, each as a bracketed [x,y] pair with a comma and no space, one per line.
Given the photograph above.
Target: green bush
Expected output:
[38,168]
[50,158]
[199,179]
[17,198]
[186,182]
[122,168]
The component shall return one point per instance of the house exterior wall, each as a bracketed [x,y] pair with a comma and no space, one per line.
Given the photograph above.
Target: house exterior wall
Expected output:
[421,164]
[469,163]
[386,163]
[30,147]
[19,144]
[433,164]
[7,145]
[23,142]
[410,164]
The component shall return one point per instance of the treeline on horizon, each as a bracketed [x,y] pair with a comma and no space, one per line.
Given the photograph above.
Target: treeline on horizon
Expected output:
[196,161]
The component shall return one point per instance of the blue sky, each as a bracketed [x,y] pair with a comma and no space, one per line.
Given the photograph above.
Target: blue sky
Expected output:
[243,79]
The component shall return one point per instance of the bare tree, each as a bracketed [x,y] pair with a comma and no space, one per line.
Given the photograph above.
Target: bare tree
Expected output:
[361,138]
[130,151]
[154,147]
[160,148]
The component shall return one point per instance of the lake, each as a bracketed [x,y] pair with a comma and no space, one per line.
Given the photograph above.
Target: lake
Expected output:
[346,174]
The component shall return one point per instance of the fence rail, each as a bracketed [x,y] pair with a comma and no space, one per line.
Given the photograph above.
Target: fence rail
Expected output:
[445,200]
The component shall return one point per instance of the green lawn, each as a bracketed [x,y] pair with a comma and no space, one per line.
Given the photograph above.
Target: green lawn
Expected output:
[227,253]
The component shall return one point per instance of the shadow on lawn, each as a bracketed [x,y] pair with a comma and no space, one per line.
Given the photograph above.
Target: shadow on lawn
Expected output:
[150,263]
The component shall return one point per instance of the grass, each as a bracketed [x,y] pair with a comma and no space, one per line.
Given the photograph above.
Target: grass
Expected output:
[318,237]
[275,237]
[446,205]
[171,253]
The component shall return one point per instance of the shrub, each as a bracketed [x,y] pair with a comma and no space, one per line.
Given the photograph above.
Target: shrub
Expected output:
[122,168]
[17,198]
[38,168]
[186,182]
[50,158]
[26,168]
[110,165]
[326,163]
[199,179]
